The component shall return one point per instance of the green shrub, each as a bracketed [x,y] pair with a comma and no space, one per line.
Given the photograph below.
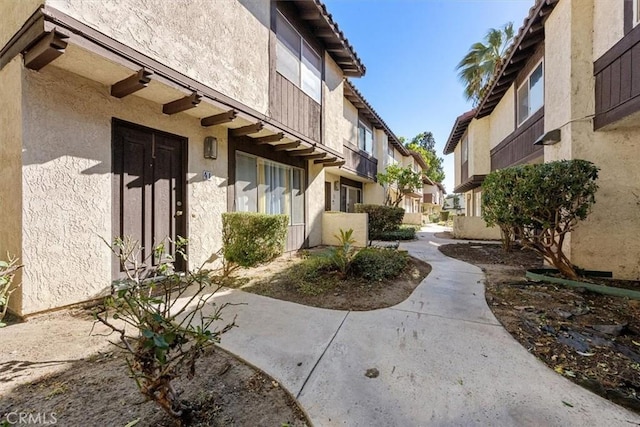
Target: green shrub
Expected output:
[250,239]
[381,218]
[444,216]
[540,204]
[434,218]
[378,264]
[400,234]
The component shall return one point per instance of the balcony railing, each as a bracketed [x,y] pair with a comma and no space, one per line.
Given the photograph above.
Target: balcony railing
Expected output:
[518,147]
[617,75]
[359,161]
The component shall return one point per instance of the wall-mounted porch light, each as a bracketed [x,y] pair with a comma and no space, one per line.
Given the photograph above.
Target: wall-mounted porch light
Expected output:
[549,138]
[210,147]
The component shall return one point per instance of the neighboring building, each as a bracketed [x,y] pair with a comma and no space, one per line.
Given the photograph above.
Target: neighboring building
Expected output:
[121,118]
[567,90]
[449,204]
[366,143]
[433,197]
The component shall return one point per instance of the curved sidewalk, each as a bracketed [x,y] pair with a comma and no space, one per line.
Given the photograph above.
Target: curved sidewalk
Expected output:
[443,359]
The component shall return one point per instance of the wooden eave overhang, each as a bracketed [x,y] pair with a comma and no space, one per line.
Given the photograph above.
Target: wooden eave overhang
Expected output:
[459,128]
[46,34]
[474,181]
[315,14]
[529,37]
[353,95]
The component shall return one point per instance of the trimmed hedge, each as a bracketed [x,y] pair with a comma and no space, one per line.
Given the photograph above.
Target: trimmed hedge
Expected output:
[378,264]
[250,238]
[382,219]
[400,234]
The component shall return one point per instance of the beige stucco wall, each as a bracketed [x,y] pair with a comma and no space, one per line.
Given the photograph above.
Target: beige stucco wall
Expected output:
[10,172]
[333,222]
[502,119]
[414,218]
[373,193]
[67,185]
[473,227]
[607,239]
[224,44]
[478,137]
[315,203]
[13,14]
[457,165]
[349,122]
[608,25]
[332,105]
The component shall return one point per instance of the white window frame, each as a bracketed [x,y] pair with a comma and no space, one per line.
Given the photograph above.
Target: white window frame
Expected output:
[290,170]
[303,44]
[636,12]
[527,81]
[464,148]
[362,144]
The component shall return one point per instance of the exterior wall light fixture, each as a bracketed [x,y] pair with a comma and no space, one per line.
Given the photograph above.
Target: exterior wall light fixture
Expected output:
[210,147]
[549,138]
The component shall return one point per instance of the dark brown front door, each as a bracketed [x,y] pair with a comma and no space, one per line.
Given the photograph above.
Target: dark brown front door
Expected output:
[149,201]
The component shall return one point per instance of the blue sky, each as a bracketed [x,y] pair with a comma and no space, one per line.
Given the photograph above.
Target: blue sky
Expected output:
[411,49]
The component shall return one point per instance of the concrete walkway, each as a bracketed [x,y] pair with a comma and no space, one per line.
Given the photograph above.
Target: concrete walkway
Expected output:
[443,358]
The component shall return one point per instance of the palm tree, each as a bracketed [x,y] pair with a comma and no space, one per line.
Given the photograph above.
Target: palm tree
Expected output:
[483,60]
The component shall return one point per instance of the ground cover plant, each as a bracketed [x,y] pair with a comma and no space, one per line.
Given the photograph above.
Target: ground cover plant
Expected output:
[339,277]
[591,339]
[8,271]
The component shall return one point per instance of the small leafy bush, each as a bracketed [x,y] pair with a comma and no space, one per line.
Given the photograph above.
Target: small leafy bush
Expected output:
[540,204]
[377,264]
[400,234]
[444,216]
[249,239]
[7,272]
[342,255]
[161,323]
[381,218]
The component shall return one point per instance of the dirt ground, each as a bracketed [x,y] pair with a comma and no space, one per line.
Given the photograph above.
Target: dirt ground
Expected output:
[348,294]
[592,339]
[51,365]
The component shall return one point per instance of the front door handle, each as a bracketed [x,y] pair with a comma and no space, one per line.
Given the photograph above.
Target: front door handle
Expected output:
[178,213]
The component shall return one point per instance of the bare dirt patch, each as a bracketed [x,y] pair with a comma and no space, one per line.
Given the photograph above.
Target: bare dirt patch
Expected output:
[592,339]
[356,294]
[51,365]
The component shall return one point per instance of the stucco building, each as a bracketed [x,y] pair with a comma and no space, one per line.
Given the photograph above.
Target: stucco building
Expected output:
[567,90]
[150,119]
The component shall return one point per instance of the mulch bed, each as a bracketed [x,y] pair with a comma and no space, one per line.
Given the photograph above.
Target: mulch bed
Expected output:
[592,339]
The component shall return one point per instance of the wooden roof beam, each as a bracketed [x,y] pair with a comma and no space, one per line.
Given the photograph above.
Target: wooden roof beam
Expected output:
[331,164]
[131,84]
[182,104]
[314,156]
[269,138]
[327,160]
[531,42]
[247,130]
[51,46]
[218,119]
[287,147]
[302,152]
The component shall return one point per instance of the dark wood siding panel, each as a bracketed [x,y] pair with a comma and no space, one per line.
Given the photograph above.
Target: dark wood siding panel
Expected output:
[360,162]
[518,147]
[428,198]
[295,109]
[617,75]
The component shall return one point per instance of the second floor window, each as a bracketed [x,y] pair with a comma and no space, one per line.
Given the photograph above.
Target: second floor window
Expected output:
[365,138]
[465,149]
[531,94]
[390,154]
[296,60]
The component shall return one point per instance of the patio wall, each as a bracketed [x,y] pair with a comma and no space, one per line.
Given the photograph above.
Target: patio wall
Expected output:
[332,222]
[473,227]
